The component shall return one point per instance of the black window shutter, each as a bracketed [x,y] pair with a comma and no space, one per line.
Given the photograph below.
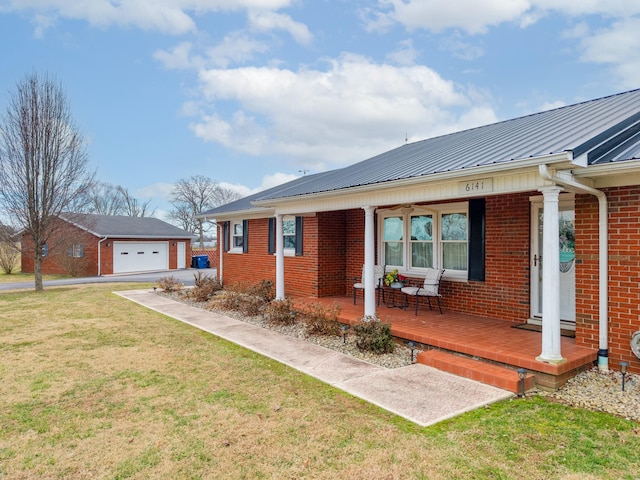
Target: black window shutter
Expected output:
[245,236]
[271,241]
[298,236]
[225,236]
[476,239]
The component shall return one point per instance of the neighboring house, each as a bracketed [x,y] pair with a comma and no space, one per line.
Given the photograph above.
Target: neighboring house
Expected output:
[473,203]
[88,244]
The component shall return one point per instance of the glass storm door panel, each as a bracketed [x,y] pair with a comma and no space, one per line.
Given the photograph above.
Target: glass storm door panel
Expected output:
[567,262]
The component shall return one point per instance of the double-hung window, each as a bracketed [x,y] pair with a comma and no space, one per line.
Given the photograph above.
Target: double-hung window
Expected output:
[289,234]
[237,236]
[434,236]
[75,250]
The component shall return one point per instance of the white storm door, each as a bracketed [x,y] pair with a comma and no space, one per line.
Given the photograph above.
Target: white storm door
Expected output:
[567,261]
[182,255]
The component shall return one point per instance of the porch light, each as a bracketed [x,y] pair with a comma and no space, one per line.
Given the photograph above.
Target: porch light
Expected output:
[344,333]
[522,373]
[412,346]
[623,370]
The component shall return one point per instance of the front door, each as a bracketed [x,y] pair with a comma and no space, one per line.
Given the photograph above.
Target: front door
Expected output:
[567,262]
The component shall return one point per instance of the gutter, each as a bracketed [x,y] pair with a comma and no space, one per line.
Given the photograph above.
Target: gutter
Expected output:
[603,252]
[99,255]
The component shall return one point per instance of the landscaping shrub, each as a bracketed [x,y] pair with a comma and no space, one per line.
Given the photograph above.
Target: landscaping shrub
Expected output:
[205,287]
[248,299]
[279,312]
[170,284]
[374,336]
[320,320]
[9,257]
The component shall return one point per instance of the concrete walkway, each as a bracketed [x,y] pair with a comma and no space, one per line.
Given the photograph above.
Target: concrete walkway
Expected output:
[418,393]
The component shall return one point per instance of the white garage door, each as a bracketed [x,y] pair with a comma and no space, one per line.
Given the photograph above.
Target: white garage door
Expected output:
[140,256]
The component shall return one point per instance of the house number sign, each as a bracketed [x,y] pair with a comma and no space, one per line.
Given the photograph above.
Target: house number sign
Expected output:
[480,185]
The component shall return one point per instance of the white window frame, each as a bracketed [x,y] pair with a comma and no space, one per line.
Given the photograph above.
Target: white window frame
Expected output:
[289,251]
[436,211]
[232,236]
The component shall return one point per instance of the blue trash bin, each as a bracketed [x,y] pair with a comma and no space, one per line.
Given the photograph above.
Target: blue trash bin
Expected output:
[200,261]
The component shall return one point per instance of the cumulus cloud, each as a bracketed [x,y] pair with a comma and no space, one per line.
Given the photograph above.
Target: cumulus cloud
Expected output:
[331,117]
[475,17]
[617,46]
[172,17]
[262,21]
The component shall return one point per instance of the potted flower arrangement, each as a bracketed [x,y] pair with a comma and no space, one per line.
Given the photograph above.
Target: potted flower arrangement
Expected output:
[394,279]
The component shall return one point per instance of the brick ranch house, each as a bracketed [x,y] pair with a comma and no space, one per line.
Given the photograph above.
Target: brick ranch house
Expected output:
[473,203]
[94,245]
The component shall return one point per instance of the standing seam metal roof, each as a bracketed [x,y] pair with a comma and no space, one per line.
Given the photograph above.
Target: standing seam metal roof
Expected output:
[580,128]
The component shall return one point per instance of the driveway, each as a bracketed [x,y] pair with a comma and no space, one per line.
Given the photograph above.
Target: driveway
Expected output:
[186,276]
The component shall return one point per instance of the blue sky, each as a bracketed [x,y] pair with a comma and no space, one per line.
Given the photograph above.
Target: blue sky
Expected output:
[253,92]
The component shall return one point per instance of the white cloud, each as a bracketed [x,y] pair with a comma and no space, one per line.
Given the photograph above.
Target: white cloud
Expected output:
[324,118]
[405,54]
[172,17]
[236,47]
[268,181]
[476,17]
[438,15]
[266,21]
[156,190]
[618,46]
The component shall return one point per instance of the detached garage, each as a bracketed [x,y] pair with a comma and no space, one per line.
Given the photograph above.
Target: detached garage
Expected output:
[88,245]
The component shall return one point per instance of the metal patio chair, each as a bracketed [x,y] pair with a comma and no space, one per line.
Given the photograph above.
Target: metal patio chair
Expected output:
[428,289]
[378,276]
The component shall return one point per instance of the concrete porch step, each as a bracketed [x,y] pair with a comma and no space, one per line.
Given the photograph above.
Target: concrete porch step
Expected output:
[489,373]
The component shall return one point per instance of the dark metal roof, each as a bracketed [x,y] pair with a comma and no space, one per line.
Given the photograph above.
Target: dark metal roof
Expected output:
[606,129]
[118,226]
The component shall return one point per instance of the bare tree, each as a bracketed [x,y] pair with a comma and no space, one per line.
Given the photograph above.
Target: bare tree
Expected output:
[104,199]
[43,162]
[195,195]
[132,207]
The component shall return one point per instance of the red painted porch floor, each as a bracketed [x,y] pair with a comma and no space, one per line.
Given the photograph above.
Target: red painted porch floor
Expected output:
[472,346]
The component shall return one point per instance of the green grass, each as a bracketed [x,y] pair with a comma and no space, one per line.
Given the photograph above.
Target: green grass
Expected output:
[95,386]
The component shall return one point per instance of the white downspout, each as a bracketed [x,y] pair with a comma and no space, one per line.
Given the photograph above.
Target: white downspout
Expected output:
[100,256]
[603,254]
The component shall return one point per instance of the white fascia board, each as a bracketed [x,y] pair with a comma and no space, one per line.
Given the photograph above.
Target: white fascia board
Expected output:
[244,214]
[562,159]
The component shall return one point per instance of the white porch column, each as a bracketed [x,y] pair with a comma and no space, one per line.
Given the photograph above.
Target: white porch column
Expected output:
[369,262]
[551,278]
[279,259]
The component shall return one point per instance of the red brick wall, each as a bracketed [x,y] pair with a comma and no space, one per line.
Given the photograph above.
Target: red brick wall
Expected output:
[320,271]
[624,272]
[505,292]
[57,261]
[332,252]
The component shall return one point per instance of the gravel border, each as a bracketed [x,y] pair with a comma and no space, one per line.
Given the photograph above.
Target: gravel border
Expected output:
[593,390]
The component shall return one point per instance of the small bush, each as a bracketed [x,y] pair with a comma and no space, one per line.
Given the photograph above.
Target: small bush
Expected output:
[205,287]
[372,335]
[9,257]
[279,312]
[320,320]
[238,301]
[170,284]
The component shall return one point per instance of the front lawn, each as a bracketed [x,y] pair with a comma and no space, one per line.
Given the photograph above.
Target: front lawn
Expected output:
[95,386]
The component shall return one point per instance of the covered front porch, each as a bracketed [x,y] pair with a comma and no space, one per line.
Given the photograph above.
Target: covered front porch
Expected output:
[484,349]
